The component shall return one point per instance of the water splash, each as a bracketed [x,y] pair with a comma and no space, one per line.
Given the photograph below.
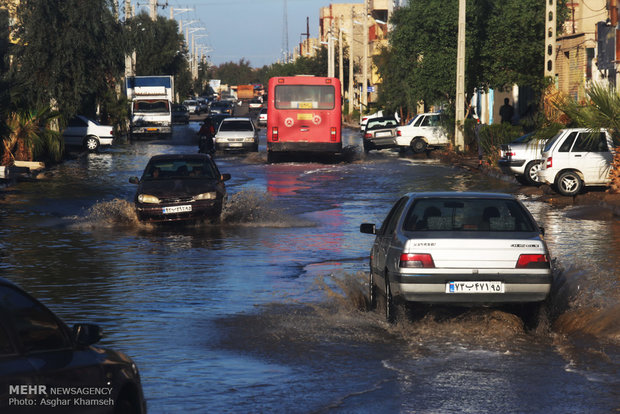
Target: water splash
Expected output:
[254,208]
[113,213]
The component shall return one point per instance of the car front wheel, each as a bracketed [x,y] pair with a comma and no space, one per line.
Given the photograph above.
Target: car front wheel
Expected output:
[91,144]
[569,183]
[418,145]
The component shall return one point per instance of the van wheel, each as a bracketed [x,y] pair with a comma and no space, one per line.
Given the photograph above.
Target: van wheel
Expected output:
[531,172]
[418,145]
[91,144]
[390,311]
[569,183]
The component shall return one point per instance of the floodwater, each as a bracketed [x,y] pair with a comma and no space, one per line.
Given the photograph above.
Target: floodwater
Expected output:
[265,312]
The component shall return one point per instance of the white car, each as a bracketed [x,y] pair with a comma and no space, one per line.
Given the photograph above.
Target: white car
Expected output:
[193,106]
[474,249]
[577,157]
[422,132]
[235,134]
[87,133]
[522,158]
[262,117]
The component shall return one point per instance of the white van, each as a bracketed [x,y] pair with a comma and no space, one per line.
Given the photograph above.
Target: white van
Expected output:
[577,157]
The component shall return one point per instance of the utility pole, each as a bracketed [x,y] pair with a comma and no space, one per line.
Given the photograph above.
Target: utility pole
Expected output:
[351,62]
[331,55]
[550,38]
[285,34]
[459,138]
[364,100]
[307,34]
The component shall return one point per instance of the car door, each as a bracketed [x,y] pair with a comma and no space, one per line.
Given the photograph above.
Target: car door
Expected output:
[591,155]
[45,342]
[383,240]
[432,130]
[75,131]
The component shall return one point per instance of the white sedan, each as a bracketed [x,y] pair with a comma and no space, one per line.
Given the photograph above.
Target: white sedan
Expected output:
[459,248]
[236,134]
[87,133]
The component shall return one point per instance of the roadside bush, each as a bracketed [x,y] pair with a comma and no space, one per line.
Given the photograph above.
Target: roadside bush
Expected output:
[493,136]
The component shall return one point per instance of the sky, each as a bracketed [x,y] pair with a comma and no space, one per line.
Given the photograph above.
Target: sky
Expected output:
[247,29]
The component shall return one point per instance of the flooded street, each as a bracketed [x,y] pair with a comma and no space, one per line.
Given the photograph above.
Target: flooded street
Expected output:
[266,311]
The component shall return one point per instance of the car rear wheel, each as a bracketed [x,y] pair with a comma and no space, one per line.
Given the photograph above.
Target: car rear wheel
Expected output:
[531,172]
[569,183]
[91,144]
[418,145]
[367,146]
[390,311]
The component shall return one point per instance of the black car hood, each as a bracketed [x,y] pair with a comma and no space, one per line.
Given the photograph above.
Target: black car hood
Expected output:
[178,187]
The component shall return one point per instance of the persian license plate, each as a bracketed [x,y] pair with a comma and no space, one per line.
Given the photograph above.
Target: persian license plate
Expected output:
[177,209]
[384,134]
[152,129]
[475,287]
[235,144]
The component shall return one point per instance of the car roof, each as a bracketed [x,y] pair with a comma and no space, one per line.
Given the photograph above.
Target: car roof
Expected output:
[237,118]
[458,194]
[179,157]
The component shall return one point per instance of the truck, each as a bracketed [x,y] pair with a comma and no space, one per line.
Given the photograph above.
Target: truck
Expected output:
[151,100]
[245,92]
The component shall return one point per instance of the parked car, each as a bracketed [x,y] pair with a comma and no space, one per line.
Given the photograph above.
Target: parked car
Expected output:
[577,157]
[87,133]
[223,107]
[236,134]
[255,103]
[522,158]
[365,119]
[192,105]
[40,355]
[423,132]
[180,114]
[458,248]
[262,117]
[177,187]
[380,133]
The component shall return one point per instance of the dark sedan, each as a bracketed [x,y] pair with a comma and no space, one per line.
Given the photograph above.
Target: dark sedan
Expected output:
[180,187]
[180,114]
[47,367]
[222,107]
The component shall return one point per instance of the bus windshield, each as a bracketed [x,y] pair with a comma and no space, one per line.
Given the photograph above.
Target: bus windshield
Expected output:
[304,97]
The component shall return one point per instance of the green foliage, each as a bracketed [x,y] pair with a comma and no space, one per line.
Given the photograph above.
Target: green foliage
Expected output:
[5,97]
[70,53]
[493,136]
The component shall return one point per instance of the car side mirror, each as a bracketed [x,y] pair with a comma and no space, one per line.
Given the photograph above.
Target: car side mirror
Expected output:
[87,333]
[368,228]
[225,177]
[134,180]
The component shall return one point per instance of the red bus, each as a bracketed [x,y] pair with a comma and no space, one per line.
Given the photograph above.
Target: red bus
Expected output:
[304,115]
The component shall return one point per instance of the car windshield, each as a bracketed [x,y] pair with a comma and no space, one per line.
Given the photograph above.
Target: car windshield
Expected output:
[179,168]
[468,214]
[381,123]
[236,126]
[552,141]
[151,106]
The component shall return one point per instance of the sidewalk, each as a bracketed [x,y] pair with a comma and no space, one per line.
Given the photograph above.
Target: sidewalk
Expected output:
[594,203]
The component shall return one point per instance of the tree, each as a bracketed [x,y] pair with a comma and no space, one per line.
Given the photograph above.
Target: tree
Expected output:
[4,85]
[30,136]
[70,53]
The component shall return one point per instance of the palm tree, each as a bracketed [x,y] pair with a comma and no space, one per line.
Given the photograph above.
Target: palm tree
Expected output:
[601,110]
[30,136]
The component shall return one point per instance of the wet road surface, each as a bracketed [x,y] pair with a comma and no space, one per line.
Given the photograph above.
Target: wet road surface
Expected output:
[266,311]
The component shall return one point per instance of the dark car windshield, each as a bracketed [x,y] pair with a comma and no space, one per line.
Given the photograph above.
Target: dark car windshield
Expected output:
[381,123]
[166,169]
[236,126]
[468,214]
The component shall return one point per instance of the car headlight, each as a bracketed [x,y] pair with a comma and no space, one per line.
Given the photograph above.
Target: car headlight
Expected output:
[206,196]
[148,199]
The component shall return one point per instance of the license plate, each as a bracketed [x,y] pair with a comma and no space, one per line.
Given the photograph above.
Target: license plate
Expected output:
[235,144]
[177,209]
[475,287]
[152,129]
[384,134]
